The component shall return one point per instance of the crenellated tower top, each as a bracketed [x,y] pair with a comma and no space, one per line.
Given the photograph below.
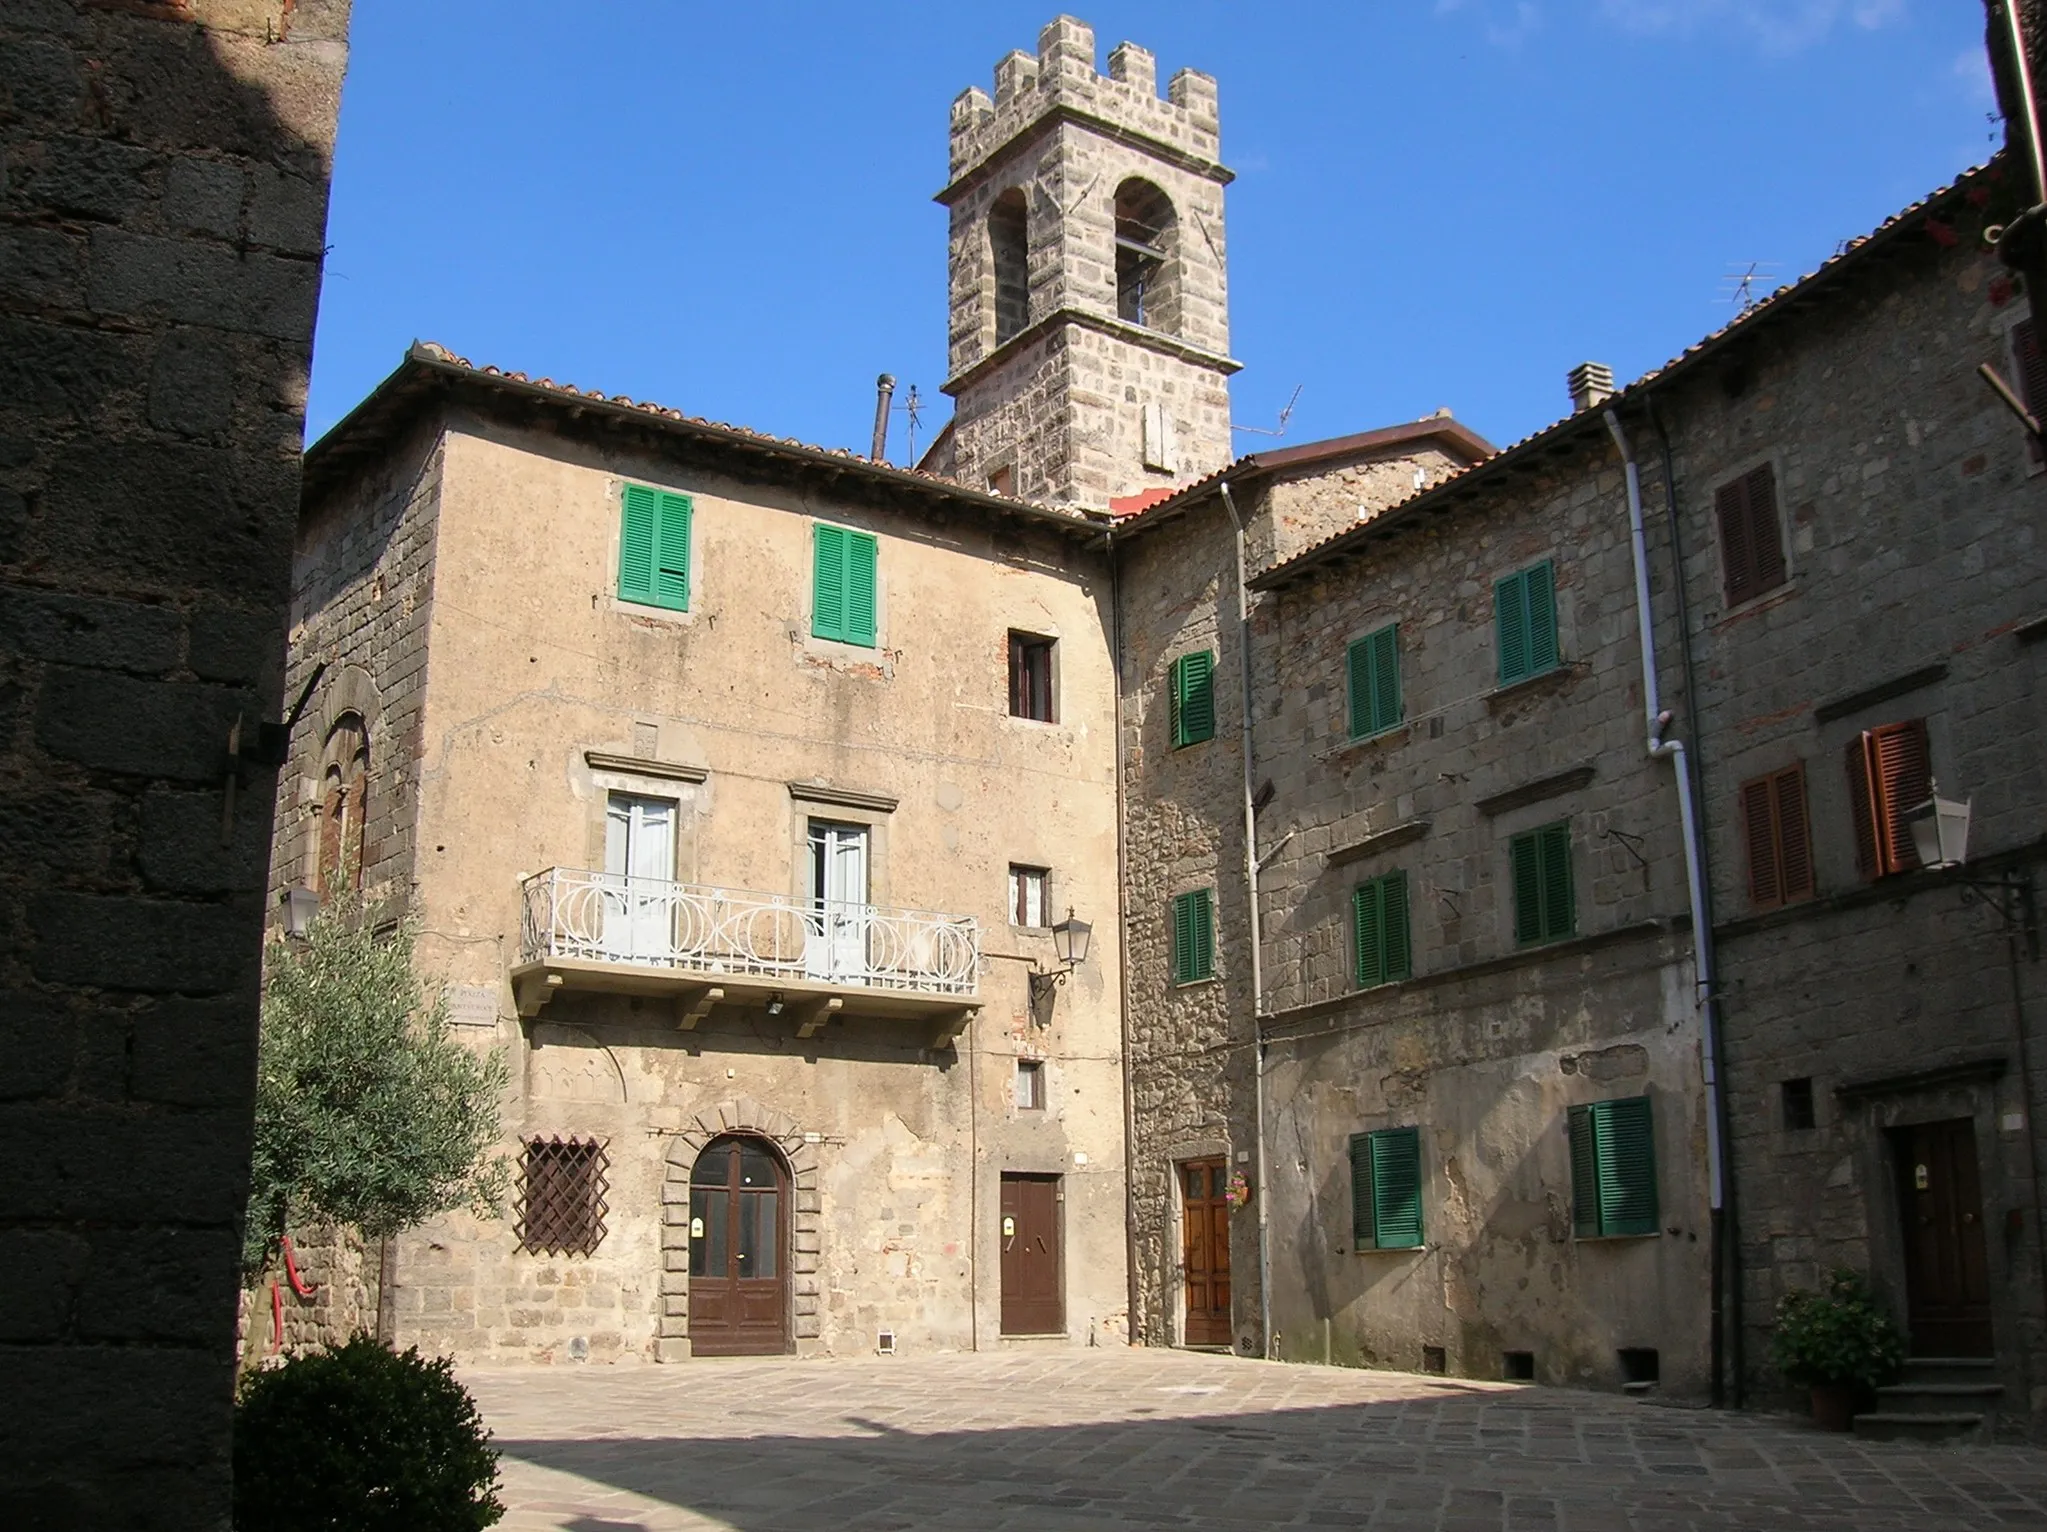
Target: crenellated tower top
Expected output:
[1089,333]
[1061,77]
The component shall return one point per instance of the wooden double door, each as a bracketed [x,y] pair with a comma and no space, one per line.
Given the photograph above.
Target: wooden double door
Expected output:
[1205,1251]
[1947,1270]
[739,1238]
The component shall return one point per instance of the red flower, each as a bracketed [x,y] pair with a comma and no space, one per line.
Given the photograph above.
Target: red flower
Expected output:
[2000,291]
[1979,196]
[1943,235]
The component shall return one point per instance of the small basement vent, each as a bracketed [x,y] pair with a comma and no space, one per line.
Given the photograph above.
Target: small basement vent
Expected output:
[885,1342]
[1518,1366]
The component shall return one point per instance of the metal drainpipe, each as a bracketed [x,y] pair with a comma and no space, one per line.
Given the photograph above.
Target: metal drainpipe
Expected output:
[1130,1278]
[1257,941]
[1702,932]
[1729,1266]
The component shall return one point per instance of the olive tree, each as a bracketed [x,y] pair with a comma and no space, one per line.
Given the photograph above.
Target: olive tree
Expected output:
[367,1111]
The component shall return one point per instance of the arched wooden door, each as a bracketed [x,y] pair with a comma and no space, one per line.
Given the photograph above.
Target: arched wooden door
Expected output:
[739,1239]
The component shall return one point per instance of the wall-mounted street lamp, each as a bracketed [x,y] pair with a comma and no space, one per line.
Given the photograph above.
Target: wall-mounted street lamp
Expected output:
[1069,945]
[301,908]
[1940,830]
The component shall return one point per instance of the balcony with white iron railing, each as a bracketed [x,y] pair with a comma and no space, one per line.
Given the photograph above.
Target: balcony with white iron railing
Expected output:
[699,946]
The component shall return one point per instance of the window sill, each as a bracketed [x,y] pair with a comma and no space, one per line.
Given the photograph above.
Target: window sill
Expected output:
[1422,1249]
[1762,602]
[1382,739]
[680,616]
[1613,1239]
[1180,984]
[1538,943]
[1555,678]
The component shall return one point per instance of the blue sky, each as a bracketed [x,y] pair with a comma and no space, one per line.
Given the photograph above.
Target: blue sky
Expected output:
[727,209]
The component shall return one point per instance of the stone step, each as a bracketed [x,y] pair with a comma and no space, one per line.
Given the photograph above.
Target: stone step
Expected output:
[1914,1426]
[1950,1369]
[1917,1398]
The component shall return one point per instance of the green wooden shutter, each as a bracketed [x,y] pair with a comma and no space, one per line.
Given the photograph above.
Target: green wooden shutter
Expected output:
[671,552]
[1361,1221]
[1367,929]
[1541,586]
[1398,949]
[1559,900]
[1545,903]
[1373,664]
[1584,1174]
[861,557]
[1525,620]
[637,533]
[1627,1166]
[1204,935]
[1193,686]
[1527,858]
[1358,672]
[1193,937]
[828,590]
[1397,1188]
[1385,647]
[1510,625]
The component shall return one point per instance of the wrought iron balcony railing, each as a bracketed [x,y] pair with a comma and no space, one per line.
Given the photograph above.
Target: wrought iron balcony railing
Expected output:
[651,922]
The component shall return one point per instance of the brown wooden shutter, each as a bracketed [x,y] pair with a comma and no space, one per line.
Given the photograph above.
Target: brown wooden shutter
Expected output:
[1861,799]
[1794,834]
[1889,774]
[1779,838]
[1766,533]
[1736,553]
[2032,365]
[1759,822]
[1904,778]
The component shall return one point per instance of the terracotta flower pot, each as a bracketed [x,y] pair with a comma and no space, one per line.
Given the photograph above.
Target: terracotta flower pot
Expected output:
[1834,1405]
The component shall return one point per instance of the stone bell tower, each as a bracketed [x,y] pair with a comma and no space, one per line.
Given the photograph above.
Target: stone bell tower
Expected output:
[1089,355]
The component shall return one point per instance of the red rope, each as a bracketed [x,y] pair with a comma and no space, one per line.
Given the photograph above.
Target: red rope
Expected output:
[291,1269]
[276,1318]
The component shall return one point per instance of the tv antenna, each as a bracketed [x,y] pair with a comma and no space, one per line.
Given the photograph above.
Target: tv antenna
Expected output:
[1284,415]
[913,408]
[1738,286]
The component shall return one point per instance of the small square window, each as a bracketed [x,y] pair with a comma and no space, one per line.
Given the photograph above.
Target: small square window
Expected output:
[1027,902]
[1030,1085]
[1030,677]
[1798,1106]
[1002,481]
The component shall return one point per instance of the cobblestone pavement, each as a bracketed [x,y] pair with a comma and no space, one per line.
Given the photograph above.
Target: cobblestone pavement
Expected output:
[1050,1441]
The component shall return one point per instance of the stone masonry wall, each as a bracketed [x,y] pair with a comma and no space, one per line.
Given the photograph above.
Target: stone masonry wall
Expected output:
[1489,1043]
[1911,511]
[163,190]
[362,605]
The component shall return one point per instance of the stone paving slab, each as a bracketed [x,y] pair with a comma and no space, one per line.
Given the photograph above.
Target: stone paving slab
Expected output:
[1079,1441]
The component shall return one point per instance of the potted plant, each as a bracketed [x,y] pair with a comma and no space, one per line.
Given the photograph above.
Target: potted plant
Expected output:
[1839,1343]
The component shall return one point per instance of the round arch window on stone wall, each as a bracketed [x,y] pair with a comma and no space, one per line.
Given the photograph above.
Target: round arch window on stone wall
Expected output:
[1010,255]
[344,797]
[1147,257]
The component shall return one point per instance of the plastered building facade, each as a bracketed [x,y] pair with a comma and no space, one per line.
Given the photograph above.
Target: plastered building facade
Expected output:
[463,587]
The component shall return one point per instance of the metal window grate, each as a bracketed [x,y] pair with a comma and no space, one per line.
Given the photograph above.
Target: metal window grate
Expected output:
[561,1196]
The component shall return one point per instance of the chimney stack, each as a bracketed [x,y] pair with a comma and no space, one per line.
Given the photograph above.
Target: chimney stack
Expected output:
[1591,385]
[884,390]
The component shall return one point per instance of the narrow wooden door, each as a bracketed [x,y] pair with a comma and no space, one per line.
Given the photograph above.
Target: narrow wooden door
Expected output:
[1033,1302]
[1205,1251]
[738,1224]
[1947,1275]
